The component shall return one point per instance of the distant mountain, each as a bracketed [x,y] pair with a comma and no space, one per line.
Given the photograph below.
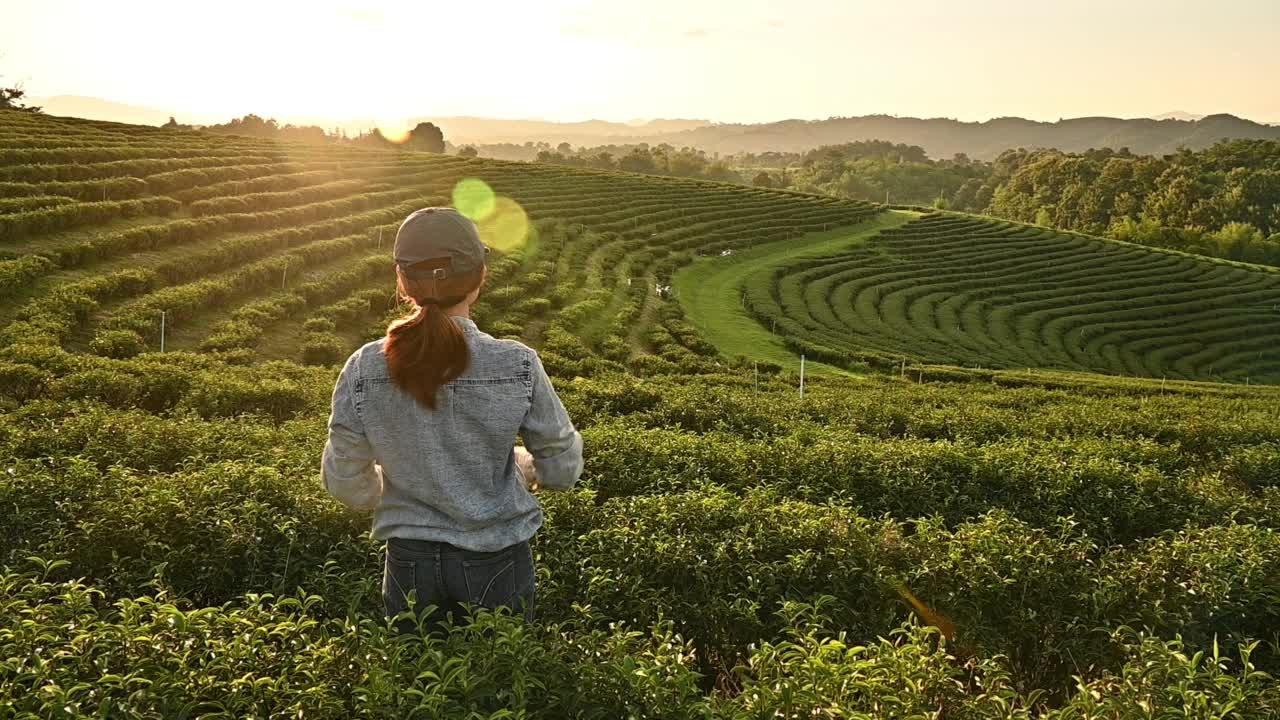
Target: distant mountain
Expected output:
[463,130]
[942,138]
[459,130]
[667,125]
[99,109]
[1178,115]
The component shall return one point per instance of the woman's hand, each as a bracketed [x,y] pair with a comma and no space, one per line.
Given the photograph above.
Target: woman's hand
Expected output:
[524,461]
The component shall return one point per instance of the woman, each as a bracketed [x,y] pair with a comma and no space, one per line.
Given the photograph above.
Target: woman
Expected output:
[423,431]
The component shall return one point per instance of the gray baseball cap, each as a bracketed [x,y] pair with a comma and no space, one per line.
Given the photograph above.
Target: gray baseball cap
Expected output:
[439,233]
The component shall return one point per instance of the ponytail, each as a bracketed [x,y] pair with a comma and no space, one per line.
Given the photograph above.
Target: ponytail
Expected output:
[427,349]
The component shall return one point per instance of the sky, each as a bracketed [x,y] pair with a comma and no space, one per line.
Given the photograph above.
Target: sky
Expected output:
[722,60]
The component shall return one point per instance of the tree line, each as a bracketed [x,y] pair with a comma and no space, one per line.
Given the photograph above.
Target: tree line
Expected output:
[424,136]
[1222,201]
[662,159]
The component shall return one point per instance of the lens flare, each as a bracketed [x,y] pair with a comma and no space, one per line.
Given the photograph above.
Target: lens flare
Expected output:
[507,227]
[396,131]
[474,198]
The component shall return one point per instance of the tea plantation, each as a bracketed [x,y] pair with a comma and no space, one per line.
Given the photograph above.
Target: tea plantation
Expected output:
[1007,492]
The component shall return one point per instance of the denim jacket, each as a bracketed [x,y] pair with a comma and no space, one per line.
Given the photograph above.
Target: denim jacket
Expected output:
[449,474]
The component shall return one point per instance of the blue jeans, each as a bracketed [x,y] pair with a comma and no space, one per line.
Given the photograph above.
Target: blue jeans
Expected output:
[447,577]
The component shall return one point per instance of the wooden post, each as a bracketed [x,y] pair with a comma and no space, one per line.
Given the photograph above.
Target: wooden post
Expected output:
[802,377]
[162,331]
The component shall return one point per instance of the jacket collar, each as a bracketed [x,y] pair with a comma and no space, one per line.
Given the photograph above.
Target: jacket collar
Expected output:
[467,325]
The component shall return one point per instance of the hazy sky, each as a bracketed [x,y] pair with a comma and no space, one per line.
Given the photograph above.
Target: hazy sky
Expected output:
[728,60]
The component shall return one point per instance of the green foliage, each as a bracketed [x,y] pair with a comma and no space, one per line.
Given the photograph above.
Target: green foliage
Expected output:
[21,381]
[733,551]
[1221,201]
[322,348]
[872,170]
[663,159]
[118,344]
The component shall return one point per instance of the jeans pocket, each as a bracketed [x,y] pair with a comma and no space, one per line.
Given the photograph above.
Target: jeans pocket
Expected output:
[399,579]
[491,581]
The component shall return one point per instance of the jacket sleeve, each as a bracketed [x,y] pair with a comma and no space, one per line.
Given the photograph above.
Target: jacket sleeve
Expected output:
[549,436]
[347,467]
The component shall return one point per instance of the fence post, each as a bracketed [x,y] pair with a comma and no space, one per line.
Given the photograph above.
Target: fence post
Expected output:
[801,376]
[162,331]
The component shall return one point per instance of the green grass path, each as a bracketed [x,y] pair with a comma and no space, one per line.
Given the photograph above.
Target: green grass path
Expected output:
[710,289]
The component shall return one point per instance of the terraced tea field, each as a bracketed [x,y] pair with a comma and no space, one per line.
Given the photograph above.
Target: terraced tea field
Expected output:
[935,542]
[955,290]
[233,244]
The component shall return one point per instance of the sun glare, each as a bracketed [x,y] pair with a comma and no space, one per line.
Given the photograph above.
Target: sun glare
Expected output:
[507,227]
[396,131]
[503,224]
[474,198]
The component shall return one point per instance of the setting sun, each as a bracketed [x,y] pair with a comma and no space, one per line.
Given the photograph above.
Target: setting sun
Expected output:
[720,60]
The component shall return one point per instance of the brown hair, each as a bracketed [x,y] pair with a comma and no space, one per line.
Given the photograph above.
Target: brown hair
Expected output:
[426,349]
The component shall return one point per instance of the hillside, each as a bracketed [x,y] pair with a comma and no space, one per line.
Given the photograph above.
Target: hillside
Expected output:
[943,138]
[302,228]
[79,106]
[940,137]
[951,289]
[931,541]
[462,130]
[458,129]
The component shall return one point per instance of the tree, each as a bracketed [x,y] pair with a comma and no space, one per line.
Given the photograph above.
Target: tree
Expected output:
[426,136]
[762,179]
[1236,240]
[639,160]
[602,160]
[564,148]
[251,124]
[372,138]
[11,99]
[468,151]
[304,133]
[718,170]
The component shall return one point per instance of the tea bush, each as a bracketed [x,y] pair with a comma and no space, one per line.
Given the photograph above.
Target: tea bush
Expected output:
[918,540]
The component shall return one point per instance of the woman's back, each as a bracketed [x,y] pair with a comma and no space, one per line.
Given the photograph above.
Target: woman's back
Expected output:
[449,474]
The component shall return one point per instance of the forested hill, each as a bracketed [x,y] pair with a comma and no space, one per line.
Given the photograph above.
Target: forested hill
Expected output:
[943,138]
